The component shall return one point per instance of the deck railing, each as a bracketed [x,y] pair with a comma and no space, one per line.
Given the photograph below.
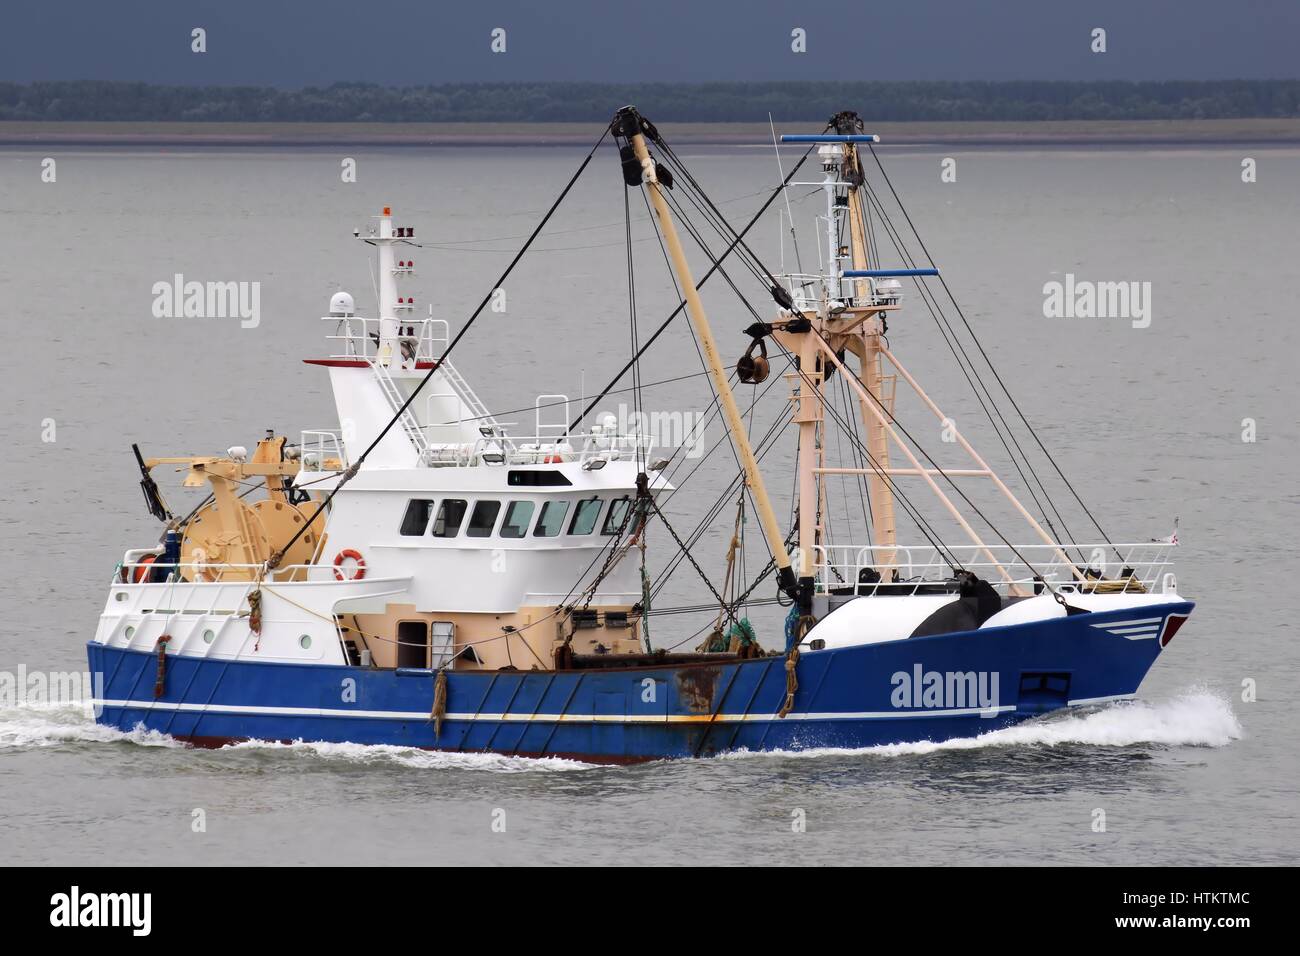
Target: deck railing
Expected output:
[1129,567]
[205,572]
[806,289]
[355,337]
[322,449]
[504,449]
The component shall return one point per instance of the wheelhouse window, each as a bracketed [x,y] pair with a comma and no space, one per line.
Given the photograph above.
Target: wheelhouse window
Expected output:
[417,515]
[518,517]
[484,518]
[450,515]
[618,509]
[542,478]
[551,521]
[585,516]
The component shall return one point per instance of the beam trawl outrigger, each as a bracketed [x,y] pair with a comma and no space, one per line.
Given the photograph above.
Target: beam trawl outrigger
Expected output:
[629,125]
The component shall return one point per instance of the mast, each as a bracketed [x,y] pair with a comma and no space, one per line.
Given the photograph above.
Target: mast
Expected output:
[834,323]
[837,322]
[844,313]
[870,360]
[389,329]
[629,124]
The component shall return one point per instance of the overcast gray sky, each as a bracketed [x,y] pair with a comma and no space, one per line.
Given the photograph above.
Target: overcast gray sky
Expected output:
[292,43]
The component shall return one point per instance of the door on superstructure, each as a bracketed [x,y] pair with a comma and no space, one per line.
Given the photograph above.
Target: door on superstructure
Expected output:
[412,643]
[442,643]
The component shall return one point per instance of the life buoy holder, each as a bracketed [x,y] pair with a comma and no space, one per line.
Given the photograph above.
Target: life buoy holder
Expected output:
[142,572]
[355,556]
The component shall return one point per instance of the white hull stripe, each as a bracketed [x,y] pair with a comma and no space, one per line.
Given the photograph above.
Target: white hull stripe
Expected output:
[544,718]
[1144,630]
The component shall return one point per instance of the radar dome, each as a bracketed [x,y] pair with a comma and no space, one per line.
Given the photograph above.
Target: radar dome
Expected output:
[341,304]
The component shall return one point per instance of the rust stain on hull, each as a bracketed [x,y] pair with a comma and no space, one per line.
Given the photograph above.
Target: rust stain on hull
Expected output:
[696,687]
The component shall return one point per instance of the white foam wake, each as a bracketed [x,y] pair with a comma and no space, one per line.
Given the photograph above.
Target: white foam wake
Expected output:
[414,757]
[1196,718]
[35,725]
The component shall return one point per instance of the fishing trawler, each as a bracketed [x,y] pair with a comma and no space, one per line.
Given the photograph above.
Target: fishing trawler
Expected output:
[420,576]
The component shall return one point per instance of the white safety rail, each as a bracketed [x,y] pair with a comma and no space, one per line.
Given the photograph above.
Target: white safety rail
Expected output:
[592,451]
[319,448]
[1149,564]
[211,618]
[231,576]
[420,343]
[807,289]
[397,402]
[439,339]
[423,341]
[356,337]
[477,409]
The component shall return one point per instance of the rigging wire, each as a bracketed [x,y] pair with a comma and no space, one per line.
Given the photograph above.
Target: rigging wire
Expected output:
[949,336]
[947,477]
[720,221]
[631,315]
[278,556]
[923,524]
[1006,391]
[565,232]
[681,306]
[794,236]
[925,527]
[536,406]
[761,449]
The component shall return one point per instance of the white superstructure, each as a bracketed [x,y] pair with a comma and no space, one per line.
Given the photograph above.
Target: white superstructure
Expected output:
[452,528]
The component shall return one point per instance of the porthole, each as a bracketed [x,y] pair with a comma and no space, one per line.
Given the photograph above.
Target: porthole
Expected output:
[130,633]
[305,641]
[120,596]
[208,637]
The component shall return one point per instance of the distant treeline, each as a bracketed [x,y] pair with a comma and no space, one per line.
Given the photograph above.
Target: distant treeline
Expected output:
[90,100]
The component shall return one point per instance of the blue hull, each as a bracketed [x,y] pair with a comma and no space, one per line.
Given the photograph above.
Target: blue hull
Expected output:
[848,697]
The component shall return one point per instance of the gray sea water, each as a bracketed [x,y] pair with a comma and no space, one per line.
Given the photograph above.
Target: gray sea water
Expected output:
[1147,422]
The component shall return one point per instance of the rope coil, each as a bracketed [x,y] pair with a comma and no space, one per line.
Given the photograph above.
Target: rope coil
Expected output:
[439,709]
[160,680]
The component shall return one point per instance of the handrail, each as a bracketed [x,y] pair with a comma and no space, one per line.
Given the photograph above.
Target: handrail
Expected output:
[315,446]
[539,450]
[426,342]
[1147,562]
[281,575]
[806,287]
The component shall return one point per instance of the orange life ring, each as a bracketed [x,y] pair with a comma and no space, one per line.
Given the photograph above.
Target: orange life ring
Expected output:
[355,556]
[142,569]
